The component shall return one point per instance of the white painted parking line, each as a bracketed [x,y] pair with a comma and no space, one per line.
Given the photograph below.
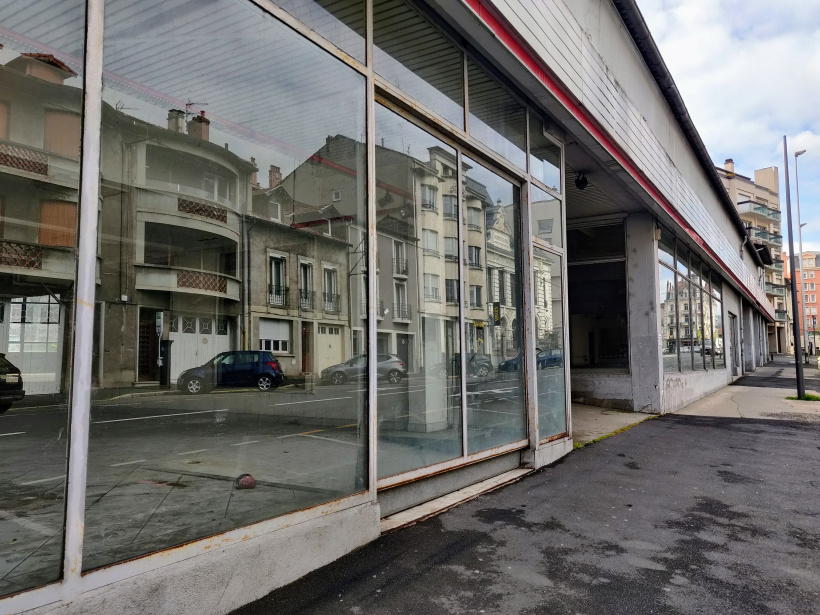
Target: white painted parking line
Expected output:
[157,416]
[243,443]
[44,480]
[311,401]
[128,463]
[200,450]
[13,433]
[330,440]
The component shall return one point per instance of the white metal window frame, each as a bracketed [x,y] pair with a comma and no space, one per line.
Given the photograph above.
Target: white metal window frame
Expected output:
[73,581]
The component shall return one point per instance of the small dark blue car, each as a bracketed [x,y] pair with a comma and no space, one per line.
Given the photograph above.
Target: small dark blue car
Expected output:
[239,368]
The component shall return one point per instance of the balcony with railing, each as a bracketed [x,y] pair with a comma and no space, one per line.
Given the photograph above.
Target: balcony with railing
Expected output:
[278,296]
[307,299]
[332,302]
[778,290]
[17,257]
[379,309]
[432,294]
[781,315]
[400,267]
[402,312]
[186,280]
[472,226]
[429,207]
[475,264]
[764,235]
[777,265]
[31,160]
[450,214]
[756,209]
[451,257]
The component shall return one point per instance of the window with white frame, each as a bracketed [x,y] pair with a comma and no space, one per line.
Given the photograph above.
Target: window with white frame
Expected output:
[474,218]
[432,287]
[429,241]
[451,248]
[278,280]
[450,206]
[428,196]
[274,335]
[475,296]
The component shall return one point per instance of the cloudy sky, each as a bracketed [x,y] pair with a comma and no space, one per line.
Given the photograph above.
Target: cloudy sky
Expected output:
[749,72]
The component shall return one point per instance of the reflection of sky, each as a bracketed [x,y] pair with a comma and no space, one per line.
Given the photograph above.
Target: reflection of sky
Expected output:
[497,187]
[395,133]
[269,93]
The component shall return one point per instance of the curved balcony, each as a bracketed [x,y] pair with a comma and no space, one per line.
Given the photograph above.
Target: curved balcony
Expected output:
[35,162]
[184,280]
[17,257]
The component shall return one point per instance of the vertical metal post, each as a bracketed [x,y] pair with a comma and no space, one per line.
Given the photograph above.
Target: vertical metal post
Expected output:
[528,298]
[798,355]
[463,293]
[800,245]
[372,247]
[84,298]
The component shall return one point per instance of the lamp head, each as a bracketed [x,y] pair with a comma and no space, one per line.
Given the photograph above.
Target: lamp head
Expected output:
[800,153]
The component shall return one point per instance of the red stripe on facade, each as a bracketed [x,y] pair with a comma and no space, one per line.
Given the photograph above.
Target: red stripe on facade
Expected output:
[505,34]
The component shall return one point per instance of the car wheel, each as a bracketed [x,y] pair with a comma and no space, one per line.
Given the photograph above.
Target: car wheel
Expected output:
[338,378]
[264,382]
[482,370]
[4,407]
[194,386]
[442,373]
[394,376]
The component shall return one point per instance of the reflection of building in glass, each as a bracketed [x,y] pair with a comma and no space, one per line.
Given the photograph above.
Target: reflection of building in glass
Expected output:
[39,172]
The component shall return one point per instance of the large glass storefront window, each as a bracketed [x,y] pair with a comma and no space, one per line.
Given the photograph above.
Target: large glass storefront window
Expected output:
[549,340]
[41,94]
[496,413]
[668,318]
[232,274]
[420,419]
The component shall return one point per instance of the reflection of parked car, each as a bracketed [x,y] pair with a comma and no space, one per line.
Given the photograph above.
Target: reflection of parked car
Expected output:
[11,384]
[234,368]
[551,357]
[707,348]
[477,365]
[387,366]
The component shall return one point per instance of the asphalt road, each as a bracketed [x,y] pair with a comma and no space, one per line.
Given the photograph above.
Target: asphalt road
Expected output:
[679,515]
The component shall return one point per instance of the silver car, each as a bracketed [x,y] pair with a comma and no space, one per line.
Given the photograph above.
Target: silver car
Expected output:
[388,366]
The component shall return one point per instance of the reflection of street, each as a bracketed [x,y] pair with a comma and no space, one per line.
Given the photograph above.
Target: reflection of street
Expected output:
[167,463]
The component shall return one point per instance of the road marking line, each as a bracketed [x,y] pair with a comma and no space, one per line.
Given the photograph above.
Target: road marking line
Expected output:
[311,401]
[351,425]
[157,416]
[128,463]
[304,433]
[13,433]
[28,524]
[43,480]
[330,440]
[243,443]
[201,450]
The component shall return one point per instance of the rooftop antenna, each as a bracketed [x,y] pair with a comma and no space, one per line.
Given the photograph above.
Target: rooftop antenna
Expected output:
[189,108]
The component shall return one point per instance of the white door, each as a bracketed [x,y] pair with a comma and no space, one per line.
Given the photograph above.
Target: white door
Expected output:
[329,346]
[197,340]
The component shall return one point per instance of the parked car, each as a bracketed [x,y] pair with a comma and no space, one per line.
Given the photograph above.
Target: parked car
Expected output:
[11,384]
[707,348]
[388,366]
[551,357]
[477,365]
[237,368]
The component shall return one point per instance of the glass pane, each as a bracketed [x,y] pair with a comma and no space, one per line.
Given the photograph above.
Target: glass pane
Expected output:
[420,423]
[262,278]
[707,343]
[719,348]
[666,248]
[497,119]
[342,22]
[496,413]
[411,54]
[669,319]
[549,341]
[545,156]
[40,108]
[686,323]
[545,216]
[599,333]
[696,311]
[596,243]
[682,259]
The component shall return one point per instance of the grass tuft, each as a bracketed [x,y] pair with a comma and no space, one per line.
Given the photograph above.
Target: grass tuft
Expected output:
[806,397]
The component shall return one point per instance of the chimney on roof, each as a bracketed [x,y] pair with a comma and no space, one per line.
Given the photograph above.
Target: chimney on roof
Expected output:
[254,178]
[176,120]
[199,127]
[729,165]
[42,66]
[274,176]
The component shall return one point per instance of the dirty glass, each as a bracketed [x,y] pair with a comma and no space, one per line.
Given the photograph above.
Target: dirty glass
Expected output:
[497,119]
[717,335]
[545,155]
[419,417]
[696,315]
[545,217]
[549,341]
[668,318]
[232,275]
[41,66]
[493,329]
[342,22]
[412,55]
[686,323]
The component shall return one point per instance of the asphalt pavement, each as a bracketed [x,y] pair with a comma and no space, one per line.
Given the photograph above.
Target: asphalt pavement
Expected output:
[678,515]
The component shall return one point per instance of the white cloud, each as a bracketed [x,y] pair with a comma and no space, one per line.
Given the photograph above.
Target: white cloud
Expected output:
[749,72]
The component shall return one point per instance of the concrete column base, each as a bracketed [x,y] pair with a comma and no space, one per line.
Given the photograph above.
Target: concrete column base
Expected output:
[546,454]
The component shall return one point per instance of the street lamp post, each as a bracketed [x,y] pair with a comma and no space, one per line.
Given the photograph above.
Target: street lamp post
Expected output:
[800,243]
[798,358]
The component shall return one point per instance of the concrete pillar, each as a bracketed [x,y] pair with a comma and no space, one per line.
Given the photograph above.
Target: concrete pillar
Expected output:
[749,342]
[645,358]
